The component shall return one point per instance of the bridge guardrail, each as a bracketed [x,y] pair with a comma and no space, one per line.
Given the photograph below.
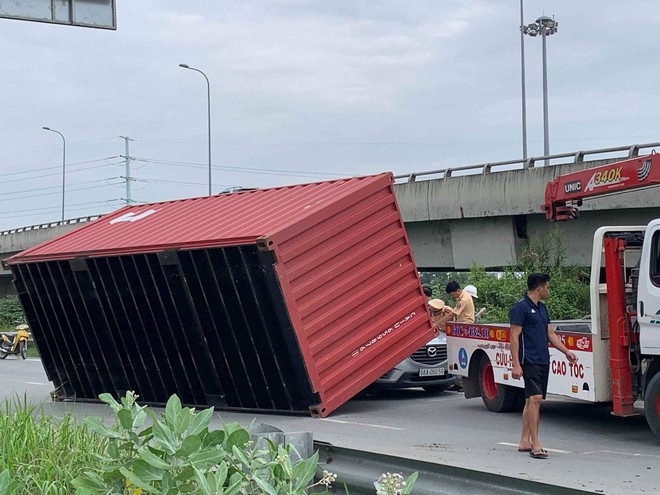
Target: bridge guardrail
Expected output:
[359,469]
[49,225]
[486,168]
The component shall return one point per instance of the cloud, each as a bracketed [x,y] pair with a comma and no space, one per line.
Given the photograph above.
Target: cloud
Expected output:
[318,60]
[323,86]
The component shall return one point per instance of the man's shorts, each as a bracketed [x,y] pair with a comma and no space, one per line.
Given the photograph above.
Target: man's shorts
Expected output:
[536,379]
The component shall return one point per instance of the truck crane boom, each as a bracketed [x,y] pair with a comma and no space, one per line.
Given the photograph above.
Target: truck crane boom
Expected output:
[564,195]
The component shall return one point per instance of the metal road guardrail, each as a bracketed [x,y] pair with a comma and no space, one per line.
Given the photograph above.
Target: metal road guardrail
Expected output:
[359,469]
[578,157]
[50,225]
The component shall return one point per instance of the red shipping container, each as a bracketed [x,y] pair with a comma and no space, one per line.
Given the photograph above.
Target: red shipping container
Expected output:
[290,299]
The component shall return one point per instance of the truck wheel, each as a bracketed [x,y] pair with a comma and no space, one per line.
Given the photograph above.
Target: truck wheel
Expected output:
[496,397]
[652,405]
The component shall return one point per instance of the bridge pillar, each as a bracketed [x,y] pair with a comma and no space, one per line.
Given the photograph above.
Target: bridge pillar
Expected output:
[456,244]
[490,243]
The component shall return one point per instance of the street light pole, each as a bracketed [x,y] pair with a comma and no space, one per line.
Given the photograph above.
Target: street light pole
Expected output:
[63,164]
[208,86]
[545,26]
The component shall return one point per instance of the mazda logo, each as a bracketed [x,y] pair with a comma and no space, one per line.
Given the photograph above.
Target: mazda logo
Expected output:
[431,352]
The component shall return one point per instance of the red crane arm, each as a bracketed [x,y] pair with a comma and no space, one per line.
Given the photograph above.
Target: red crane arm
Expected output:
[564,194]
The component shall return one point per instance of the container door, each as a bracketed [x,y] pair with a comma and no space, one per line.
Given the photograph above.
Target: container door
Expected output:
[648,300]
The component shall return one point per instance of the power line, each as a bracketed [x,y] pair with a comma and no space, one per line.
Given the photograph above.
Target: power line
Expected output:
[58,173]
[54,208]
[247,170]
[200,184]
[59,167]
[87,142]
[59,187]
[49,194]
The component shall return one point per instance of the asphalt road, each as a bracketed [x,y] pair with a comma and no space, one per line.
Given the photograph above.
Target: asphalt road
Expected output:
[589,449]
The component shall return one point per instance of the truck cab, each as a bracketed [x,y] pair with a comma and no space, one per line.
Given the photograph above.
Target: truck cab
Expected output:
[648,292]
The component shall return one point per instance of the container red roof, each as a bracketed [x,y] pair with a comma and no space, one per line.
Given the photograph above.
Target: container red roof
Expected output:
[222,220]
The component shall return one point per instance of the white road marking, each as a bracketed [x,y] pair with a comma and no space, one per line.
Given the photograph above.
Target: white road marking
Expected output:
[619,453]
[35,383]
[362,424]
[544,448]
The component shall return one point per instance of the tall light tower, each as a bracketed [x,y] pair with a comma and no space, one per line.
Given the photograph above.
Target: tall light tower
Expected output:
[544,26]
[522,80]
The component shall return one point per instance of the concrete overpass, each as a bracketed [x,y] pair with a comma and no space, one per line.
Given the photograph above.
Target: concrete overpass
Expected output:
[16,240]
[485,213]
[480,214]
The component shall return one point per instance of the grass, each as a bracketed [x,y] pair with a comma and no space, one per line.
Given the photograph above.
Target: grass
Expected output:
[32,350]
[42,453]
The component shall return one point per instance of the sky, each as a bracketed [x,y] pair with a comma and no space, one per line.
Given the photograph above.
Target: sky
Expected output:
[306,90]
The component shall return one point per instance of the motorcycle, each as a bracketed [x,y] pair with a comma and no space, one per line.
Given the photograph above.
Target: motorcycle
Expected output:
[15,343]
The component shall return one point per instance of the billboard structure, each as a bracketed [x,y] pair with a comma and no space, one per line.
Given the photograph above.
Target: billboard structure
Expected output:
[87,13]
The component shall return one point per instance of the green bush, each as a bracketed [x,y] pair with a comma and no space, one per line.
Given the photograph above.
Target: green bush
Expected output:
[179,454]
[11,312]
[569,294]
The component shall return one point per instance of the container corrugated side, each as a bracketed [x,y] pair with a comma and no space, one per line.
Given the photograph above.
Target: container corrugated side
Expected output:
[353,291]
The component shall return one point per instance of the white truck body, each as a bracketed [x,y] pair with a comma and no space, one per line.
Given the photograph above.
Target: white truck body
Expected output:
[480,353]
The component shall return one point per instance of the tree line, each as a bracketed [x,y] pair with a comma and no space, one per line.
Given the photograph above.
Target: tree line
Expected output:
[498,291]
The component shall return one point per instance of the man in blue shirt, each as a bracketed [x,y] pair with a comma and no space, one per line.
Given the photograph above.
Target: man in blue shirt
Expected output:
[531,332]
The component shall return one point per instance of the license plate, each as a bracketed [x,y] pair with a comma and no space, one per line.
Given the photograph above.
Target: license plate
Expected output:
[431,372]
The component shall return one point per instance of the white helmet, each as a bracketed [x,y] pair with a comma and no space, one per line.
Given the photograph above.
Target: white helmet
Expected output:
[472,290]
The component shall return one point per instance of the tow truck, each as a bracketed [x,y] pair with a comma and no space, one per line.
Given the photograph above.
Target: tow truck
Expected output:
[618,346]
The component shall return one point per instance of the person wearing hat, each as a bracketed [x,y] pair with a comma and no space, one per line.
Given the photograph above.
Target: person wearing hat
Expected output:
[464,309]
[440,313]
[472,290]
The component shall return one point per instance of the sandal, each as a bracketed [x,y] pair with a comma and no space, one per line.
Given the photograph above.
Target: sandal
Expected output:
[524,450]
[538,454]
